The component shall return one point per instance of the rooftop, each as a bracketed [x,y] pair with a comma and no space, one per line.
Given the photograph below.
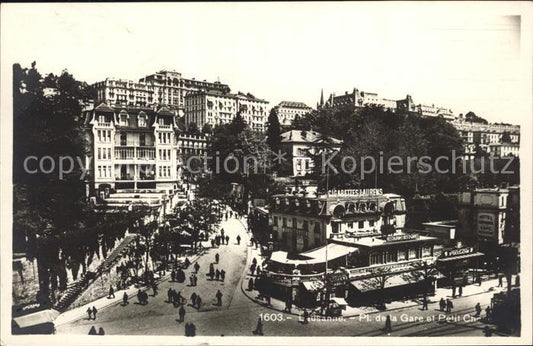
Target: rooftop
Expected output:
[293,104]
[297,136]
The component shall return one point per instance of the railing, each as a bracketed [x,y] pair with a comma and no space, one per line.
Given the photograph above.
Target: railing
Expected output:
[130,153]
[100,124]
[165,127]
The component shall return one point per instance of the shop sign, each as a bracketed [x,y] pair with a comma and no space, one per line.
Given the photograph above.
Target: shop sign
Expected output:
[402,237]
[337,279]
[357,192]
[458,252]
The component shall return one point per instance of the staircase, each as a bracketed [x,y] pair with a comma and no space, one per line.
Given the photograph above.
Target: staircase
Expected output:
[76,288]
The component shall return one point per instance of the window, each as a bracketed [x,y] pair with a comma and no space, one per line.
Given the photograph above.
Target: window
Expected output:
[375,259]
[294,223]
[99,153]
[412,253]
[142,140]
[123,138]
[350,224]
[371,223]
[142,121]
[361,224]
[426,251]
[402,254]
[275,220]
[284,222]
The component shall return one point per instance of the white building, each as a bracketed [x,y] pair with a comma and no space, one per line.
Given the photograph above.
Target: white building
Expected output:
[288,110]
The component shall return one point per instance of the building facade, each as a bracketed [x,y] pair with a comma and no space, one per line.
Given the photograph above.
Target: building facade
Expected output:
[301,145]
[302,221]
[359,99]
[166,88]
[137,148]
[288,110]
[215,108]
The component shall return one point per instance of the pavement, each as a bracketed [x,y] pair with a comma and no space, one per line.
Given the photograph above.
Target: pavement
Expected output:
[240,312]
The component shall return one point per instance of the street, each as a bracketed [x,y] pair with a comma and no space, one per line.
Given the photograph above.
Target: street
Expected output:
[238,314]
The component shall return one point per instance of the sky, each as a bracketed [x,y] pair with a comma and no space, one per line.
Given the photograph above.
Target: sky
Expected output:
[461,55]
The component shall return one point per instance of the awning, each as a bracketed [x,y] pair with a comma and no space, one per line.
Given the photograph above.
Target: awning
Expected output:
[313,286]
[40,317]
[372,284]
[462,257]
[339,301]
[331,251]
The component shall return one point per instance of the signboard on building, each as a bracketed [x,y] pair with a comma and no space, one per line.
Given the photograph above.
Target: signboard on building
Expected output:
[486,225]
[337,279]
[457,252]
[402,237]
[370,271]
[357,192]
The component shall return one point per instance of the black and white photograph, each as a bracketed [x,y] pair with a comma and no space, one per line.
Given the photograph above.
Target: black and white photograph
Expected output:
[266,173]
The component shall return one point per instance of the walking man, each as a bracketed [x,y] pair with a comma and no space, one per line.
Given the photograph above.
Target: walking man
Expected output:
[222,274]
[500,280]
[238,240]
[154,288]
[125,299]
[460,291]
[259,327]
[388,325]
[488,313]
[449,305]
[94,312]
[111,292]
[198,302]
[196,267]
[227,239]
[182,314]
[306,316]
[219,298]
[250,284]
[478,310]
[425,303]
[193,299]
[217,258]
[89,312]
[442,304]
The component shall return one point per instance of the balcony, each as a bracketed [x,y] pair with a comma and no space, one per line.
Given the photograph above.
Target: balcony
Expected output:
[134,153]
[103,124]
[165,127]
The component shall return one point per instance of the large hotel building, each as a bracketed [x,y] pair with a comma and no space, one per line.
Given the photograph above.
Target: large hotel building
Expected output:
[136,148]
[166,88]
[214,107]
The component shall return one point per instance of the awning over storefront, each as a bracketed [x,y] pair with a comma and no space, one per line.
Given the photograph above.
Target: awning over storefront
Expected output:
[462,257]
[37,318]
[331,251]
[339,301]
[372,284]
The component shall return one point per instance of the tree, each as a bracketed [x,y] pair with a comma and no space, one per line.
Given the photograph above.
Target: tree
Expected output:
[273,135]
[198,216]
[379,280]
[207,129]
[192,129]
[506,137]
[422,271]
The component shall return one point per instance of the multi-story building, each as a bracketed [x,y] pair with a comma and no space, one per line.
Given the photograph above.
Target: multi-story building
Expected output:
[301,145]
[489,137]
[302,221]
[288,110]
[361,99]
[166,88]
[435,111]
[215,108]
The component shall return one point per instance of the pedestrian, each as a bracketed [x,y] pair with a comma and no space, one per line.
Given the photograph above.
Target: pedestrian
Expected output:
[154,288]
[254,261]
[212,242]
[182,314]
[222,232]
[169,295]
[388,324]
[258,270]
[139,296]
[425,303]
[198,302]
[94,312]
[487,331]
[500,280]
[187,262]
[111,292]
[250,284]
[460,291]
[179,298]
[145,298]
[227,239]
[306,316]
[173,275]
[268,299]
[195,279]
[238,240]
[478,310]
[187,329]
[101,331]
[252,269]
[449,305]
[92,331]
[125,299]
[288,306]
[211,271]
[219,298]
[217,274]
[89,312]
[488,313]
[259,327]
[192,329]
[517,281]
[222,275]
[196,267]
[442,304]
[191,280]
[453,291]
[217,257]
[252,241]
[479,279]
[193,299]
